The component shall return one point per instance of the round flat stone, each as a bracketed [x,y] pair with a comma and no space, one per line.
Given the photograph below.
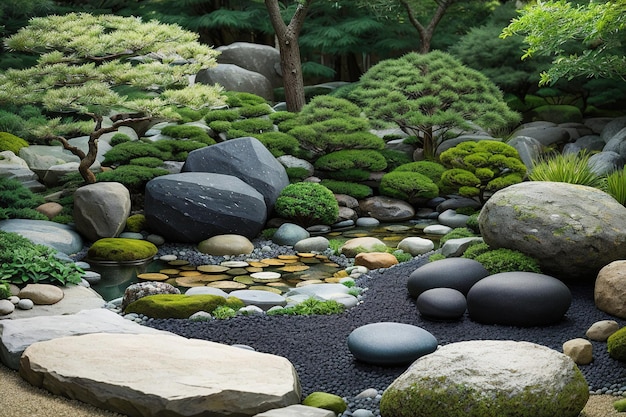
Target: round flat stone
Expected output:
[267,276]
[441,304]
[227,285]
[263,299]
[153,276]
[235,264]
[389,343]
[212,269]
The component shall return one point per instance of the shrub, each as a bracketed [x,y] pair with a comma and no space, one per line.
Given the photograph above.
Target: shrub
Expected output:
[307,203]
[122,153]
[472,223]
[134,177]
[226,115]
[296,174]
[18,202]
[408,186]
[241,99]
[177,150]
[118,138]
[220,126]
[615,185]
[475,250]
[309,307]
[180,306]
[349,174]
[9,142]
[395,158]
[571,168]
[256,110]
[432,170]
[256,125]
[358,191]
[279,143]
[147,161]
[366,159]
[193,133]
[436,257]
[507,260]
[281,116]
[5,290]
[481,168]
[456,233]
[616,345]
[27,263]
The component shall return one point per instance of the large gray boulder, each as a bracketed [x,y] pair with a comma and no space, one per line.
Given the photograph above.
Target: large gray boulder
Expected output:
[572,230]
[488,378]
[244,158]
[101,209]
[43,232]
[235,78]
[161,375]
[617,143]
[194,206]
[263,59]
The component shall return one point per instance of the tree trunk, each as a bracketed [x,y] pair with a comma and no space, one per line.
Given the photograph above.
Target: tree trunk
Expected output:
[426,32]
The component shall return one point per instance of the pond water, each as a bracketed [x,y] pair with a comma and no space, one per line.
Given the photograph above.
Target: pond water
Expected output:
[277,275]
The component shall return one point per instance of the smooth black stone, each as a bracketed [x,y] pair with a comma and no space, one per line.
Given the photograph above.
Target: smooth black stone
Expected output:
[457,273]
[441,304]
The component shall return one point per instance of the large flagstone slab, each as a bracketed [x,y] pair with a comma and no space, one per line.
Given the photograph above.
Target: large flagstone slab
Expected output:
[161,375]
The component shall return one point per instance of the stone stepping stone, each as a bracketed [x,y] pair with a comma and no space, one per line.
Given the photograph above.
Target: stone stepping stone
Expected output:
[212,269]
[170,271]
[227,285]
[237,271]
[177,262]
[262,299]
[390,344]
[153,276]
[272,262]
[244,279]
[190,273]
[235,264]
[441,304]
[294,268]
[266,276]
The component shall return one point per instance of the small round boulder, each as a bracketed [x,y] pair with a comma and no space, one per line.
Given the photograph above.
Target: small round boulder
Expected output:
[389,344]
[518,299]
[441,304]
[457,273]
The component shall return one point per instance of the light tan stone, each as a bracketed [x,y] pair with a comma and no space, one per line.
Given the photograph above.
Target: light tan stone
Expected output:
[601,330]
[229,244]
[369,244]
[42,294]
[50,210]
[375,260]
[144,375]
[580,350]
[610,289]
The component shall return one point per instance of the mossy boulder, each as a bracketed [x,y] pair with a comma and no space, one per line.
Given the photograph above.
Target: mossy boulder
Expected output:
[326,401]
[616,344]
[121,249]
[180,306]
[136,223]
[488,378]
[9,142]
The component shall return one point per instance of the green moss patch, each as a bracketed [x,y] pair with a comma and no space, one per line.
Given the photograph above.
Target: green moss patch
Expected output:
[326,401]
[180,306]
[121,249]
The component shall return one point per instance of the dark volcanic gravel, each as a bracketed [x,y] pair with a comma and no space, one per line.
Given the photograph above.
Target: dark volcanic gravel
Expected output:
[317,346]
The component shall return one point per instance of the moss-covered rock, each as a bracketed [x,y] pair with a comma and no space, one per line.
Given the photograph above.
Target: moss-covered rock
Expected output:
[9,142]
[136,223]
[121,249]
[180,306]
[326,401]
[616,344]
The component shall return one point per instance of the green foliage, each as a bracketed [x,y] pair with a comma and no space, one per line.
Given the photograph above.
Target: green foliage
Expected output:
[121,249]
[326,401]
[310,307]
[268,233]
[226,115]
[620,405]
[118,138]
[402,256]
[256,125]
[364,159]
[242,99]
[122,153]
[177,150]
[194,133]
[224,312]
[395,158]
[279,143]
[5,290]
[255,110]
[147,161]
[134,177]
[296,174]
[431,96]
[457,233]
[472,222]
[475,250]
[432,170]
[571,168]
[307,204]
[181,306]
[615,185]
[28,263]
[507,260]
[281,116]
[18,202]
[436,257]
[136,223]
[358,191]
[616,345]
[582,40]
[480,168]
[408,186]
[220,126]
[9,142]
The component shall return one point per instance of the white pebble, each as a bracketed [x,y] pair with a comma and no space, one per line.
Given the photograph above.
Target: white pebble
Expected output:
[25,304]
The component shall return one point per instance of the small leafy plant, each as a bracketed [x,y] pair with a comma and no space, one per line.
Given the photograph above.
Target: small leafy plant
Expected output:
[310,307]
[224,312]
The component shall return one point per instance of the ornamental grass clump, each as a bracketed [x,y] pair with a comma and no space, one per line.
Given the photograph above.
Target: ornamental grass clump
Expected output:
[615,185]
[572,168]
[307,203]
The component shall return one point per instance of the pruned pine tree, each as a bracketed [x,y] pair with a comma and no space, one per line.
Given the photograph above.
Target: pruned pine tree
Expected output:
[84,59]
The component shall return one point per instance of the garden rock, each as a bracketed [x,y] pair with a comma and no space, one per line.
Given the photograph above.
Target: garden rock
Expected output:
[17,335]
[206,290]
[101,209]
[610,289]
[290,161]
[612,127]
[263,299]
[606,162]
[345,200]
[193,206]
[298,410]
[589,143]
[416,245]
[601,330]
[390,344]
[488,377]
[142,289]
[452,219]
[312,244]
[53,175]
[518,299]
[235,78]
[456,203]
[441,304]
[320,291]
[55,235]
[346,213]
[580,350]
[326,401]
[288,234]
[617,143]
[121,250]
[351,247]
[437,229]
[42,294]
[75,298]
[203,378]
[457,247]
[6,307]
[50,209]
[367,222]
[375,260]
[263,59]
[386,209]
[246,159]
[40,158]
[226,245]
[572,230]
[546,135]
[529,150]
[460,274]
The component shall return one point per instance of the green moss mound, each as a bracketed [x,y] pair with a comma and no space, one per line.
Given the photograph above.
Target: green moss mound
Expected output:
[307,203]
[121,249]
[326,401]
[408,186]
[9,142]
[180,306]
[616,344]
[136,223]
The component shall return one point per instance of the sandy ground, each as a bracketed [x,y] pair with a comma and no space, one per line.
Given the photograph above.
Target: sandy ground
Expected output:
[20,399]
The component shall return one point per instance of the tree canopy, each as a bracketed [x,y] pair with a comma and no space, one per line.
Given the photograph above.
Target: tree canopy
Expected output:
[84,59]
[583,40]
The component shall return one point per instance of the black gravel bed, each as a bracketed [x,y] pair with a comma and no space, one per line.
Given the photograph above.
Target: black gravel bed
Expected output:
[317,345]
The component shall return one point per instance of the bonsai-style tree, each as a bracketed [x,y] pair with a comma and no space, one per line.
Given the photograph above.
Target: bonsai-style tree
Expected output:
[83,62]
[583,40]
[432,96]
[478,169]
